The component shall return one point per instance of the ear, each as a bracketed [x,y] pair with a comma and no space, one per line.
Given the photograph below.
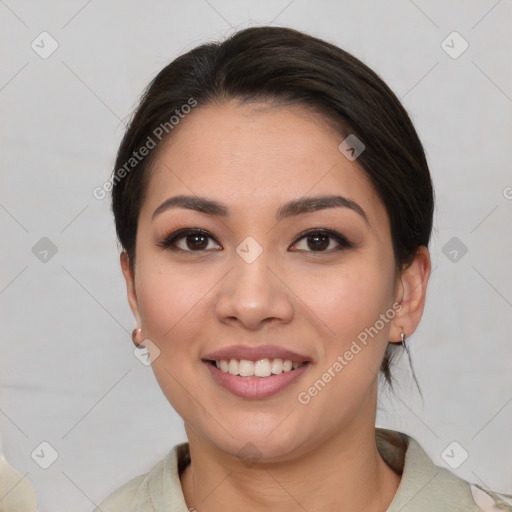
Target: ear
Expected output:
[411,295]
[130,286]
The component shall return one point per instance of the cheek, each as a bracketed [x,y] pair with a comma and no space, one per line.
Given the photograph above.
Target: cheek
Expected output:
[349,299]
[349,303]
[354,339]
[171,303]
[169,299]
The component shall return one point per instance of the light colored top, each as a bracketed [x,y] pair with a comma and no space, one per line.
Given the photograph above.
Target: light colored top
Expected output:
[424,487]
[16,492]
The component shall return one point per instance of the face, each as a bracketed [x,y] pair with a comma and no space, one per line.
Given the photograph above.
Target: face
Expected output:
[302,296]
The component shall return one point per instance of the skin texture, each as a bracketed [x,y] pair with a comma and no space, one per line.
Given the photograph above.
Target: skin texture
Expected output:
[253,158]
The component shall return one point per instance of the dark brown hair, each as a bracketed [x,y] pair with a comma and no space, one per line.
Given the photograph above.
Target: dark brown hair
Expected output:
[284,66]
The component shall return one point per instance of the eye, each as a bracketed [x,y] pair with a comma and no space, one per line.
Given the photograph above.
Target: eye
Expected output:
[197,240]
[187,240]
[318,240]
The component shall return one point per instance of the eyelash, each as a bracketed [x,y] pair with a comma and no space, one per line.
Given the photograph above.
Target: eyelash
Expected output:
[169,242]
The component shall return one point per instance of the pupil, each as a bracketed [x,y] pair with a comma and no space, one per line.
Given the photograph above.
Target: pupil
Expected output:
[317,238]
[195,244]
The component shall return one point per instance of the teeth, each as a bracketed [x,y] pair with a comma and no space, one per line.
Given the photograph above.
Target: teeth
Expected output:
[277,366]
[261,368]
[245,368]
[233,367]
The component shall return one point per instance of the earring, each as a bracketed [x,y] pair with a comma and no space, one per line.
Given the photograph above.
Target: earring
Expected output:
[402,336]
[136,336]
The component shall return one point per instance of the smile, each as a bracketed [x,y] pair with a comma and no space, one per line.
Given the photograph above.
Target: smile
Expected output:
[255,379]
[261,368]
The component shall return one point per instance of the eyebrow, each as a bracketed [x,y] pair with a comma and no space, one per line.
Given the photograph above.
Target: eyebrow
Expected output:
[290,209]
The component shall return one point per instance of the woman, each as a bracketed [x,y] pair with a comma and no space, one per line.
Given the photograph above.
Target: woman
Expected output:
[274,206]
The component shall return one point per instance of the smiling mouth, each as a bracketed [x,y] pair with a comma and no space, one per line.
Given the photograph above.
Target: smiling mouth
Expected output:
[260,368]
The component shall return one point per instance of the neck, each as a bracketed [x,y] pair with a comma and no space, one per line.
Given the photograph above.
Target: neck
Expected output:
[342,471]
[345,472]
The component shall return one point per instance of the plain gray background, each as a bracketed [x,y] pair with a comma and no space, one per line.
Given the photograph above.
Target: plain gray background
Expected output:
[68,373]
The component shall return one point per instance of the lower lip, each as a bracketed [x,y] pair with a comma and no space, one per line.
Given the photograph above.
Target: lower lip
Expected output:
[256,387]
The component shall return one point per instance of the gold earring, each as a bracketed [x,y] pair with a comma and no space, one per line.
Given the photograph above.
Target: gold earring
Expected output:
[135,336]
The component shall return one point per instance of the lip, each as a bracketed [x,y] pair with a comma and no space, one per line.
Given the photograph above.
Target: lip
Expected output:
[255,387]
[255,353]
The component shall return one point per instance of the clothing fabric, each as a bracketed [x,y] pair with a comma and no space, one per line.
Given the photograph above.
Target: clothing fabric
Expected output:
[16,492]
[424,487]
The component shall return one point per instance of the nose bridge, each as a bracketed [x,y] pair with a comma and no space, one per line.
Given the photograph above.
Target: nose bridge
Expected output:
[252,277]
[251,292]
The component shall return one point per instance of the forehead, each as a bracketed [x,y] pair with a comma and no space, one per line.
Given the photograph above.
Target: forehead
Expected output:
[258,156]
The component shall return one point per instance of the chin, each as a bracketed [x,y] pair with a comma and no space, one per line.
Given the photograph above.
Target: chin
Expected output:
[257,444]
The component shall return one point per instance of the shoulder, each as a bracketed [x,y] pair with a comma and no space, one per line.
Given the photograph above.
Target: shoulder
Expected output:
[154,491]
[16,491]
[488,501]
[425,487]
[123,499]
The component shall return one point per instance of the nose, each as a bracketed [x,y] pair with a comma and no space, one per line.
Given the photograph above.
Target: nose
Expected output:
[254,294]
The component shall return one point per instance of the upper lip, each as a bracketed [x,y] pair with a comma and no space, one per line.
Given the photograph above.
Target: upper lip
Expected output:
[255,353]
